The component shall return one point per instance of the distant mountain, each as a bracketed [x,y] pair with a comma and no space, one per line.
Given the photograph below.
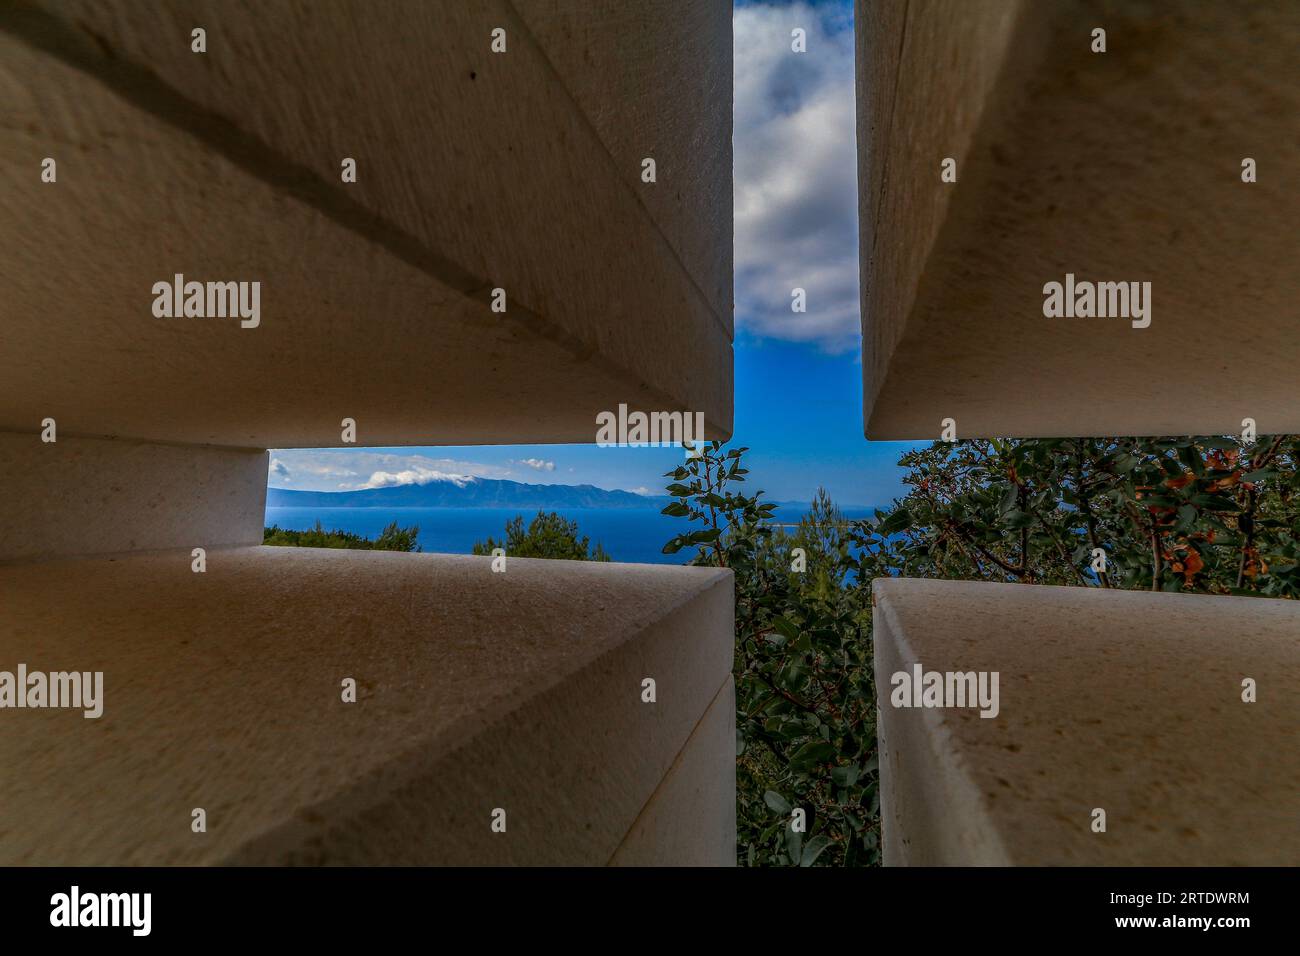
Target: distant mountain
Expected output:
[465,493]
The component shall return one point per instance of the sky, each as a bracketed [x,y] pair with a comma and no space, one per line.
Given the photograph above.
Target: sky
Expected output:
[798,398]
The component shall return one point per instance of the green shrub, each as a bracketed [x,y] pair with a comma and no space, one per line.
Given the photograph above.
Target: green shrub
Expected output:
[805,700]
[1207,515]
[392,538]
[548,536]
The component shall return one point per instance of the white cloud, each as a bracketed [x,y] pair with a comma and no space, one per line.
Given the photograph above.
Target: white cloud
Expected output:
[537,464]
[413,476]
[340,469]
[796,192]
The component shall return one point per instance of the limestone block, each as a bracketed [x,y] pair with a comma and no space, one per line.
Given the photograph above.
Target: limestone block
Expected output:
[476,691]
[1125,701]
[1122,166]
[925,71]
[475,171]
[90,496]
[691,819]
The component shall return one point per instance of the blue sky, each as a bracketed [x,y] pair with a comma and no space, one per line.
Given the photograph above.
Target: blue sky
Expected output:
[798,376]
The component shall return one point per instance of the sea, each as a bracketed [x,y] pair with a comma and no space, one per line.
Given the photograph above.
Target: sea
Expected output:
[631,535]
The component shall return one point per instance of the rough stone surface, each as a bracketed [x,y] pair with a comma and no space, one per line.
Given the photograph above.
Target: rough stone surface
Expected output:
[924,72]
[477,690]
[1124,700]
[632,92]
[691,819]
[86,496]
[475,171]
[1121,166]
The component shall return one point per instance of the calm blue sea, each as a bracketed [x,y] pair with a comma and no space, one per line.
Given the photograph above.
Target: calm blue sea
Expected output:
[628,534]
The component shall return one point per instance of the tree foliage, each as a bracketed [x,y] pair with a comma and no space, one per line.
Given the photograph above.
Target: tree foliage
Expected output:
[805,703]
[549,535]
[392,538]
[1209,515]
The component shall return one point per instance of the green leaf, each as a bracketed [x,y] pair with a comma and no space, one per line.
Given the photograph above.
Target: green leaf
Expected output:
[900,519]
[1017,519]
[675,545]
[811,754]
[1215,502]
[786,627]
[1223,444]
[1192,459]
[777,802]
[845,776]
[793,844]
[813,849]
